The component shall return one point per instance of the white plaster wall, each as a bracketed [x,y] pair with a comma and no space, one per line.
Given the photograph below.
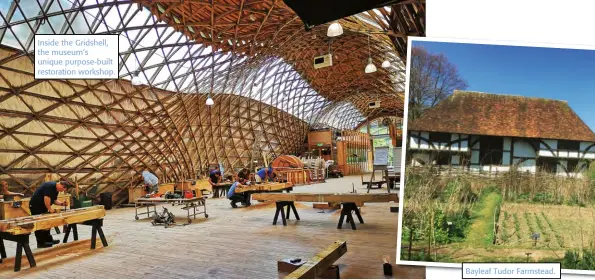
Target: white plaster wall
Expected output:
[424,144]
[465,144]
[588,153]
[416,143]
[552,143]
[495,168]
[475,156]
[527,165]
[417,158]
[507,144]
[413,141]
[455,159]
[454,137]
[523,149]
[506,158]
[474,167]
[473,139]
[561,166]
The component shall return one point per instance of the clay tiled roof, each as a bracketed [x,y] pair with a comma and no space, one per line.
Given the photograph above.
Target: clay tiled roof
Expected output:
[504,115]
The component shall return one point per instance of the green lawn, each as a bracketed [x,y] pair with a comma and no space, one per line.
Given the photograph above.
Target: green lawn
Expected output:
[482,220]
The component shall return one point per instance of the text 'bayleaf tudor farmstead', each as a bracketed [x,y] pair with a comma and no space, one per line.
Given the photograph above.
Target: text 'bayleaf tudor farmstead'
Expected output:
[484,132]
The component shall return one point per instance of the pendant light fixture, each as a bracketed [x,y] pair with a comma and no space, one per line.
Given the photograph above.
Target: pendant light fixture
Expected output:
[370,68]
[385,64]
[334,30]
[136,79]
[210,101]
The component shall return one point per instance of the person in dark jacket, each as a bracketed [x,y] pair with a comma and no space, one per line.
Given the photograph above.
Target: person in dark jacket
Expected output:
[41,203]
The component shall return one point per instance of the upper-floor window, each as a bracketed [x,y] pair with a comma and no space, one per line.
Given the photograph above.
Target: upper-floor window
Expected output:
[440,137]
[568,145]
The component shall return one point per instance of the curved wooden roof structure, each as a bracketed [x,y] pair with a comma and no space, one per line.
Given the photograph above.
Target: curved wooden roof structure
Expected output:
[253,57]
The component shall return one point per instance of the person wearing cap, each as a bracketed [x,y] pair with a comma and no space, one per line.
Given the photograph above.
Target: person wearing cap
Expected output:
[4,192]
[41,203]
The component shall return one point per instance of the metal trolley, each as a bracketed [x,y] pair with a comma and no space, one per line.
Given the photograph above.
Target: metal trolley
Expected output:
[191,205]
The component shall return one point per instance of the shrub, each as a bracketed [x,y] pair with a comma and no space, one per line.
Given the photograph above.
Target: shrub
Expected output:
[574,259]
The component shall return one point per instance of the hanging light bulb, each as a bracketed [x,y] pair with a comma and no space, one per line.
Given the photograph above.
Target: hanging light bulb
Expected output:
[210,101]
[137,80]
[370,68]
[385,64]
[334,30]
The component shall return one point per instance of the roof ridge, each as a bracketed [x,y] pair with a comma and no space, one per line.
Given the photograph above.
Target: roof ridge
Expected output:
[459,92]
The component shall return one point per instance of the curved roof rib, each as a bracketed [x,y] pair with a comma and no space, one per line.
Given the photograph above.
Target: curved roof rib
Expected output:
[255,49]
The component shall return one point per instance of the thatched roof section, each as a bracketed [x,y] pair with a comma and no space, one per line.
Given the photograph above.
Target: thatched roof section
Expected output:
[504,115]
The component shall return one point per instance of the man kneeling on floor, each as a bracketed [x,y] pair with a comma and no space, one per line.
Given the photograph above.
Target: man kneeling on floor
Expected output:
[236,197]
[41,203]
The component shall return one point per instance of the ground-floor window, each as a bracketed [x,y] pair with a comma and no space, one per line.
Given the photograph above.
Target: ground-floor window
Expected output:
[490,150]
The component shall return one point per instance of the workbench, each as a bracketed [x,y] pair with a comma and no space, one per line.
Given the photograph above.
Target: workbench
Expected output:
[348,202]
[20,207]
[193,204]
[19,229]
[248,190]
[221,189]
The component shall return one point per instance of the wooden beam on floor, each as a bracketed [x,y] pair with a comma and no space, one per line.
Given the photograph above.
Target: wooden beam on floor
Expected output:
[328,197]
[319,264]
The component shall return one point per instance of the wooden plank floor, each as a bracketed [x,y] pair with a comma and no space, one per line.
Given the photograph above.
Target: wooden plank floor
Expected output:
[231,243]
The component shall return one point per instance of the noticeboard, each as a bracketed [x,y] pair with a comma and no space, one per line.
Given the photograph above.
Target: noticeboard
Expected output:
[381,156]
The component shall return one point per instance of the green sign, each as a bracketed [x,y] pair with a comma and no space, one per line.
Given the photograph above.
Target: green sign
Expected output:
[319,144]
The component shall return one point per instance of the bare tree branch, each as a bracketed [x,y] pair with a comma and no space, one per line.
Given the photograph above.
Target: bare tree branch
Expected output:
[432,78]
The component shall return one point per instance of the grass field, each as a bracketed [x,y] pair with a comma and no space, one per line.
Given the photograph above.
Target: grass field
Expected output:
[560,226]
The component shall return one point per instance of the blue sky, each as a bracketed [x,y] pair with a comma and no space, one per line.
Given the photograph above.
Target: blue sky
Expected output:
[562,74]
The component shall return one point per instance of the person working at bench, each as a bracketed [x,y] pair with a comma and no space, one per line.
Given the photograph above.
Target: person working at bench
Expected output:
[236,197]
[265,175]
[5,193]
[151,182]
[215,176]
[41,203]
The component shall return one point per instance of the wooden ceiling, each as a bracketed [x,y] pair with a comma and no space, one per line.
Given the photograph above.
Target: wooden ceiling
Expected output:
[258,29]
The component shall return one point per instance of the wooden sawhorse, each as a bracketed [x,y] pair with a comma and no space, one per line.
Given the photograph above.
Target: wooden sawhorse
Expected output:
[347,210]
[290,206]
[22,241]
[96,227]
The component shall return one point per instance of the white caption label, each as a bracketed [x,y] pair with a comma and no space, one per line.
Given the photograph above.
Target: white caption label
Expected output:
[76,56]
[511,271]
